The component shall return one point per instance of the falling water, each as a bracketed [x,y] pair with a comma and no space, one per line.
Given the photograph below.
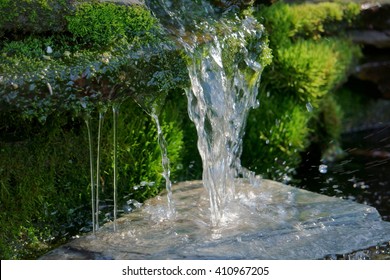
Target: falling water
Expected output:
[99,136]
[89,131]
[224,72]
[115,112]
[165,165]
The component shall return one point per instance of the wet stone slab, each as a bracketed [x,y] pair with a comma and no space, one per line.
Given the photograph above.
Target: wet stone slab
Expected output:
[272,221]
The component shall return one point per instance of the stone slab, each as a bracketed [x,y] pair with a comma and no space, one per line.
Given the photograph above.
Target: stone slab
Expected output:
[272,221]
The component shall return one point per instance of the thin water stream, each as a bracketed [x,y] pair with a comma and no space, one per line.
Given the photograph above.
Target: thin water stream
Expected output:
[92,172]
[166,168]
[99,136]
[115,112]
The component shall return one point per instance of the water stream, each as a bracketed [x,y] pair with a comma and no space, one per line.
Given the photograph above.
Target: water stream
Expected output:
[115,112]
[223,52]
[166,168]
[99,138]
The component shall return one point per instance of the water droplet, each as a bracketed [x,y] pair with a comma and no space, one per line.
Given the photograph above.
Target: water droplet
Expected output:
[143,183]
[323,168]
[309,107]
[49,50]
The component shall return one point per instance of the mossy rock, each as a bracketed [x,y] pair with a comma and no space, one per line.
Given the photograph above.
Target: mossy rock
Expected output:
[42,16]
[37,16]
[75,71]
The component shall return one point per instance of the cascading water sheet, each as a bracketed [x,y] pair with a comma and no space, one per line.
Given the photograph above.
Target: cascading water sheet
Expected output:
[223,52]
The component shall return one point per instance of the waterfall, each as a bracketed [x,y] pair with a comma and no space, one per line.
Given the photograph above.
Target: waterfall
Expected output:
[223,53]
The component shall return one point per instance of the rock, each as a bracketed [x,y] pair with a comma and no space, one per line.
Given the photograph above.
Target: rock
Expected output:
[272,221]
[373,27]
[375,16]
[70,71]
[373,33]
[378,39]
[377,72]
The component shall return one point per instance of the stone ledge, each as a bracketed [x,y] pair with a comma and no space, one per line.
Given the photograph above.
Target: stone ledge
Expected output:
[280,222]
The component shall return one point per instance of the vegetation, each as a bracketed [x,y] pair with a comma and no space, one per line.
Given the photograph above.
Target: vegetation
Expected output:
[24,16]
[89,55]
[311,59]
[49,83]
[44,169]
[105,23]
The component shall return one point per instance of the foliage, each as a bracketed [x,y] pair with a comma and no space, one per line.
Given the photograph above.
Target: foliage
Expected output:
[139,154]
[287,23]
[44,173]
[277,132]
[297,106]
[310,69]
[106,23]
[26,15]
[72,79]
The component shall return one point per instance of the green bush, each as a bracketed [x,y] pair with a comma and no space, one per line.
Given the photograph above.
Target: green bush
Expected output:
[286,23]
[277,131]
[297,106]
[43,179]
[311,69]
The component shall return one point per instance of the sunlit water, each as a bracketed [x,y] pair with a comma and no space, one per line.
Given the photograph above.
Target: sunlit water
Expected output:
[224,71]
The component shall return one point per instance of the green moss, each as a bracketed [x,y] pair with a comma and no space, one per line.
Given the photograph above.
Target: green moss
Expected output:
[287,23]
[70,79]
[277,132]
[44,173]
[311,58]
[34,16]
[103,24]
[310,69]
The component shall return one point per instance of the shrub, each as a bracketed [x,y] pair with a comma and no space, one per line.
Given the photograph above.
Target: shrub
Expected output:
[277,131]
[311,69]
[295,95]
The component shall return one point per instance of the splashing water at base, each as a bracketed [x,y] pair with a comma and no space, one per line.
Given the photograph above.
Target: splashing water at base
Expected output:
[224,74]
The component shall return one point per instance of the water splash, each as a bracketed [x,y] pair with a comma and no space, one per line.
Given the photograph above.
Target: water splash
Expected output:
[223,54]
